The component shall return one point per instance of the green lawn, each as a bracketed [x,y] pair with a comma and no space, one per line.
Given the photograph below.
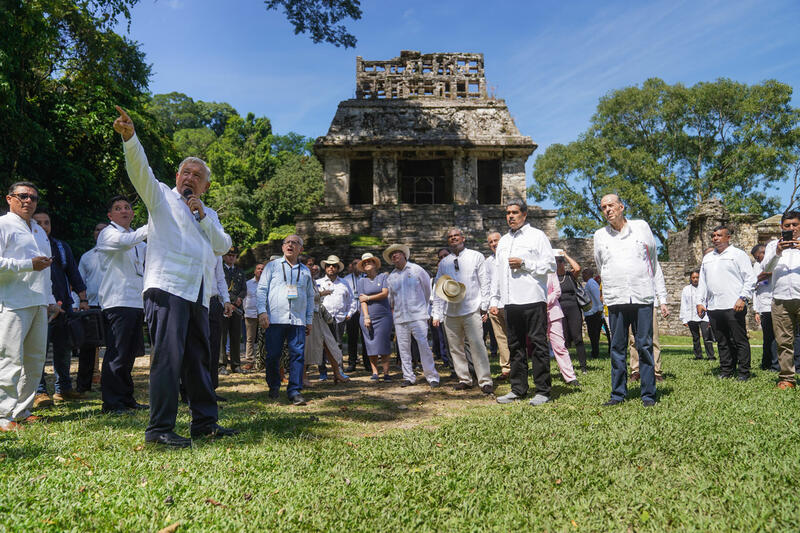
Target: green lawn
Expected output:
[710,456]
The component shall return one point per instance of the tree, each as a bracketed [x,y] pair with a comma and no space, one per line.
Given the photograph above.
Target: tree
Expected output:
[319,18]
[296,188]
[664,148]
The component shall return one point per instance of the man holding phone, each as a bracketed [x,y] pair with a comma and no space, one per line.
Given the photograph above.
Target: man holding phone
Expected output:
[782,258]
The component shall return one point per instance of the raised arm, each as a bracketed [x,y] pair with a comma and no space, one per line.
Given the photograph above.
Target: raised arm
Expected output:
[113,240]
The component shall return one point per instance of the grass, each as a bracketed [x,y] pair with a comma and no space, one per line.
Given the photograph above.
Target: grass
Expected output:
[710,456]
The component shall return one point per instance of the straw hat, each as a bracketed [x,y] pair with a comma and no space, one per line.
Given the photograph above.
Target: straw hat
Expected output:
[387,253]
[274,257]
[368,257]
[450,290]
[332,260]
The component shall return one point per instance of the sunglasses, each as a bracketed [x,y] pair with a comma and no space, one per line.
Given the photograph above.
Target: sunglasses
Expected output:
[25,196]
[455,264]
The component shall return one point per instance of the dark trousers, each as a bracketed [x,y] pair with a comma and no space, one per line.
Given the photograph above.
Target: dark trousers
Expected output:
[699,329]
[215,310]
[528,321]
[58,335]
[594,324]
[231,327]
[354,335]
[179,333]
[639,319]
[734,346]
[769,353]
[124,340]
[488,330]
[295,338]
[440,348]
[86,358]
[573,331]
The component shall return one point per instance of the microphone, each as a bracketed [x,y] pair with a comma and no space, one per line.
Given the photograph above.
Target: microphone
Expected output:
[187,192]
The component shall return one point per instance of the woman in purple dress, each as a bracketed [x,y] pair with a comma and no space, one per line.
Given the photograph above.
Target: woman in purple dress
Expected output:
[376,315]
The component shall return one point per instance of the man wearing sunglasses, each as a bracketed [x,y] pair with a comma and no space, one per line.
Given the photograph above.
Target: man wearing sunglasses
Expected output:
[25,292]
[184,238]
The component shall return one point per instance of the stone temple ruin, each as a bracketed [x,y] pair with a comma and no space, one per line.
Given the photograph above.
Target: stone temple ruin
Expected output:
[422,147]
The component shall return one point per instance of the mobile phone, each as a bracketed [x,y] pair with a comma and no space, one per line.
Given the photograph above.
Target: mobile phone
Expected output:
[787,235]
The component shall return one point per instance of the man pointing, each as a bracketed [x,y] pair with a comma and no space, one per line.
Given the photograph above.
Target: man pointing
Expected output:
[184,238]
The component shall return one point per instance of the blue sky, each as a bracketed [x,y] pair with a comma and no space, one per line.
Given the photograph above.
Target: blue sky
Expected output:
[550,61]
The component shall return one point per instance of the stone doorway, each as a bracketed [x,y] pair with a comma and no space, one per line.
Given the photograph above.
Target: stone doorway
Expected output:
[426,181]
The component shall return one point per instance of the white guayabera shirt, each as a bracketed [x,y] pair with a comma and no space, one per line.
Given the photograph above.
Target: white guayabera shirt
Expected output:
[627,263]
[528,284]
[724,278]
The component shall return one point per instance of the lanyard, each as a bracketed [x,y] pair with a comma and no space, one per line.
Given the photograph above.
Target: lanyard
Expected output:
[283,268]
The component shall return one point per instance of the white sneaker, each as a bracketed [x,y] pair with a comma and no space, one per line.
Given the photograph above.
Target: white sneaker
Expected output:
[539,399]
[508,398]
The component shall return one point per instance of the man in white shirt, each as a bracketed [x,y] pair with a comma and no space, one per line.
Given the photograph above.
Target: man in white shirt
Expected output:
[524,259]
[251,318]
[725,288]
[498,321]
[121,253]
[762,305]
[697,326]
[625,253]
[463,320]
[25,293]
[184,240]
[92,274]
[782,258]
[337,299]
[409,293]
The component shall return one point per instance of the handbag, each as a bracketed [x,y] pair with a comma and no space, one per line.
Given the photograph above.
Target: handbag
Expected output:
[325,314]
[584,300]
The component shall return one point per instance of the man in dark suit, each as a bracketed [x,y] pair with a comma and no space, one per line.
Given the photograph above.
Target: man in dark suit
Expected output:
[232,323]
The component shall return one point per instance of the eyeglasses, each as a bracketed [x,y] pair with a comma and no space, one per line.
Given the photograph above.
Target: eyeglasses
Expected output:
[25,196]
[295,243]
[455,264]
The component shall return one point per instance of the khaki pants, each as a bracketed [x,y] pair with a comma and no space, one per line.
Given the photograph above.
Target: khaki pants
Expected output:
[251,328]
[785,316]
[634,357]
[468,328]
[499,328]
[23,346]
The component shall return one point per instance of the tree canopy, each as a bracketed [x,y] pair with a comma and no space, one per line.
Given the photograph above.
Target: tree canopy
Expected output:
[664,148]
[320,18]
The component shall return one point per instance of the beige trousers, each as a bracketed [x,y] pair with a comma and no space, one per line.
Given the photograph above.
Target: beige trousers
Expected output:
[251,328]
[634,357]
[23,347]
[468,328]
[785,316]
[499,327]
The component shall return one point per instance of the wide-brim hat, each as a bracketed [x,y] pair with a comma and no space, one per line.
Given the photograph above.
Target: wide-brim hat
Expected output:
[387,253]
[450,290]
[332,260]
[368,257]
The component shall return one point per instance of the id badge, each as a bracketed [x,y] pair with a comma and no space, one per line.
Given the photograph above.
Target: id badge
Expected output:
[291,292]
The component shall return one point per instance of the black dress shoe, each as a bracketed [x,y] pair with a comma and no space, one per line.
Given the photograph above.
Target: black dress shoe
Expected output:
[611,402]
[297,399]
[274,394]
[648,403]
[487,390]
[171,439]
[407,383]
[214,432]
[461,386]
[743,378]
[140,406]
[116,411]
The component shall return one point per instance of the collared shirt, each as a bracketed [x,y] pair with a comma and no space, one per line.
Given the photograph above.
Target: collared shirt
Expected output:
[785,270]
[250,307]
[92,273]
[272,293]
[491,271]
[688,307]
[527,284]
[472,273]
[724,278]
[180,250]
[20,285]
[409,292]
[593,289]
[340,303]
[351,280]
[762,298]
[219,287]
[627,263]
[121,254]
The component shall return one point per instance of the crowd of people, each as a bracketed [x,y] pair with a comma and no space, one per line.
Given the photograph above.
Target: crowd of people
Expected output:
[178,274]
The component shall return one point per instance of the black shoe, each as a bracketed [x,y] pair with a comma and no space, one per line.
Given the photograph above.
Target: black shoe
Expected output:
[140,406]
[274,394]
[648,403]
[611,402]
[116,411]
[744,378]
[487,390]
[386,378]
[221,398]
[698,358]
[434,384]
[574,383]
[214,432]
[297,399]
[171,439]
[724,376]
[407,383]
[240,370]
[461,386]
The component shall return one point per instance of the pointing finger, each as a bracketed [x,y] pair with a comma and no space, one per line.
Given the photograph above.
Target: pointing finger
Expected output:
[122,113]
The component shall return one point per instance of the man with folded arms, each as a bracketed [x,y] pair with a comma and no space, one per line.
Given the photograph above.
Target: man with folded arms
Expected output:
[25,292]
[782,258]
[121,251]
[285,303]
[463,319]
[184,238]
[524,259]
[625,254]
[725,288]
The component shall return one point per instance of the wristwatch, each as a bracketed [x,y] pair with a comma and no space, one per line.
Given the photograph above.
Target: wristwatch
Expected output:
[745,299]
